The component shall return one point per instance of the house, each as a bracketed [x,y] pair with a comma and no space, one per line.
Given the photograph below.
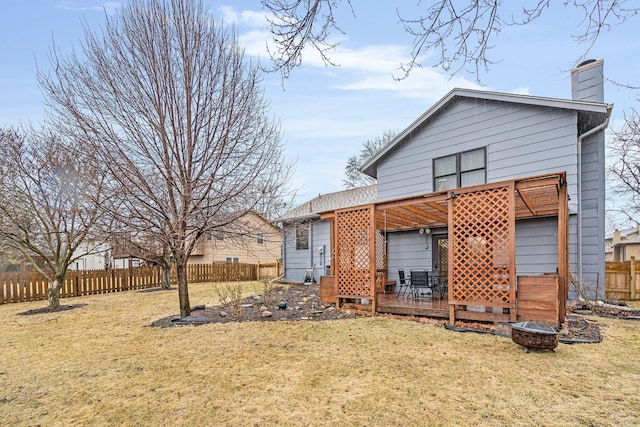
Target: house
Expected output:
[623,245]
[250,239]
[306,238]
[118,251]
[501,195]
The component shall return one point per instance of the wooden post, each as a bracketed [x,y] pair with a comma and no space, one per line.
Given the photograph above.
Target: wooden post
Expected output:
[563,249]
[373,267]
[513,310]
[632,282]
[452,308]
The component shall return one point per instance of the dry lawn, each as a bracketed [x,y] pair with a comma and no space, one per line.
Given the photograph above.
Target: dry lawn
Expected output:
[102,365]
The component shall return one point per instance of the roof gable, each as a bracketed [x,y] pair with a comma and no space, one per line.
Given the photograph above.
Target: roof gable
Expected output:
[589,112]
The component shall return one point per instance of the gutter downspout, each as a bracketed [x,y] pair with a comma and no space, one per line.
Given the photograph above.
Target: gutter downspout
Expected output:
[588,133]
[284,251]
[311,250]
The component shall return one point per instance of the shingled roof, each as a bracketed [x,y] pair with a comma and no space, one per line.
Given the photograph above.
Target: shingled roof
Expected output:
[329,202]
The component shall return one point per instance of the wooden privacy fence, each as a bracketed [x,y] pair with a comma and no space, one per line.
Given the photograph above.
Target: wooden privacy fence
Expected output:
[31,286]
[226,271]
[622,280]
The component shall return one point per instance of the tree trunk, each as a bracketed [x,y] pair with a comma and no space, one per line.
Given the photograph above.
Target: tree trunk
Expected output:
[166,277]
[183,288]
[53,293]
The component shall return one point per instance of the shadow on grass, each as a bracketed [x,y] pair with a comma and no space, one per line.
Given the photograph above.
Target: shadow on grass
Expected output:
[50,310]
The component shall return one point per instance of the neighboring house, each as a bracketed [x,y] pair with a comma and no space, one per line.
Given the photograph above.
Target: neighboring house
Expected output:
[115,253]
[623,245]
[306,238]
[250,239]
[98,255]
[469,150]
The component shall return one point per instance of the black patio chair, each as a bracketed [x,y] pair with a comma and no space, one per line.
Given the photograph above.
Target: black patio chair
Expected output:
[403,283]
[438,284]
[420,286]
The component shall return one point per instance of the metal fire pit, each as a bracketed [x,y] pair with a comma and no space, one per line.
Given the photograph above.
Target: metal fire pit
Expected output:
[534,335]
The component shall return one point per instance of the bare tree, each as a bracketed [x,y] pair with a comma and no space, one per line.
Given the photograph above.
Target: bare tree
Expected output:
[625,150]
[49,199]
[462,32]
[168,105]
[354,177]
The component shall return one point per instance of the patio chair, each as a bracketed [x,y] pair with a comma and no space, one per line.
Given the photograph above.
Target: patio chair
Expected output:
[438,284]
[403,283]
[420,286]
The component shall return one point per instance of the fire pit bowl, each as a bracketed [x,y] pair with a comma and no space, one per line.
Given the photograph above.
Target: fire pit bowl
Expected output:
[534,335]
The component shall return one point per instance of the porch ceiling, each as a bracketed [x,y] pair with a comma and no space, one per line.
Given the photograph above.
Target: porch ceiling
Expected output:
[534,196]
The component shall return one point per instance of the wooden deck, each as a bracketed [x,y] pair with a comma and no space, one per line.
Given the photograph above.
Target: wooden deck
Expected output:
[404,305]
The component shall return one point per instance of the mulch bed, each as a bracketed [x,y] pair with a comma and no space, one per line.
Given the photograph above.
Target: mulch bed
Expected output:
[301,302]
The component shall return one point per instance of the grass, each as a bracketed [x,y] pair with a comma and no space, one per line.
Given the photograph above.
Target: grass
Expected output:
[102,365]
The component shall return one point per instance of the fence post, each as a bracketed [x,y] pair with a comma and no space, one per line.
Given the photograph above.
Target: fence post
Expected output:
[632,282]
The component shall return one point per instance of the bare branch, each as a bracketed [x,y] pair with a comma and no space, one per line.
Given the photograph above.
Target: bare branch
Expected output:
[49,202]
[298,23]
[459,33]
[167,103]
[625,149]
[355,178]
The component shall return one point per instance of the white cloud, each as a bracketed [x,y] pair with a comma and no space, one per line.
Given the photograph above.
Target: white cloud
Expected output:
[521,90]
[109,6]
[371,67]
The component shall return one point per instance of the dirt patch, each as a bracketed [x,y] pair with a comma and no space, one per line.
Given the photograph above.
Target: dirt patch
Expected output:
[579,330]
[290,302]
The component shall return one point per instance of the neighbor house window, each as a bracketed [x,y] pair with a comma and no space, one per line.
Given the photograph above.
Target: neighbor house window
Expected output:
[219,235]
[232,259]
[302,236]
[460,170]
[260,238]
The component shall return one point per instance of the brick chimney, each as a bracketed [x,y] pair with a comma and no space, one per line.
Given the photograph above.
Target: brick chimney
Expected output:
[587,81]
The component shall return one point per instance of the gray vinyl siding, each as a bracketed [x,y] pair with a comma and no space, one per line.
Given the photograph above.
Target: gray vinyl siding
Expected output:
[593,212]
[521,140]
[407,250]
[536,246]
[297,261]
[586,82]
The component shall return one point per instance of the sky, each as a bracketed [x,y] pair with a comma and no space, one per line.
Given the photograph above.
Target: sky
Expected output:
[326,112]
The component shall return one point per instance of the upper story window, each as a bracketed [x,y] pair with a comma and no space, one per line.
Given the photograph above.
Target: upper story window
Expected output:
[460,170]
[260,238]
[302,236]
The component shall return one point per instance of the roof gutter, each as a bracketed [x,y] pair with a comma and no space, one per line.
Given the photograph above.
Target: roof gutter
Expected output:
[587,134]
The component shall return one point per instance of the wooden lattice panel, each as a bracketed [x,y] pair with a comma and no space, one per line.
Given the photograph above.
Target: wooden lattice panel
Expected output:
[480,248]
[353,231]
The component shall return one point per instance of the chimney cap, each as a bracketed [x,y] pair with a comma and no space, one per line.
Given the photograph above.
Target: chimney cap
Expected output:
[586,62]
